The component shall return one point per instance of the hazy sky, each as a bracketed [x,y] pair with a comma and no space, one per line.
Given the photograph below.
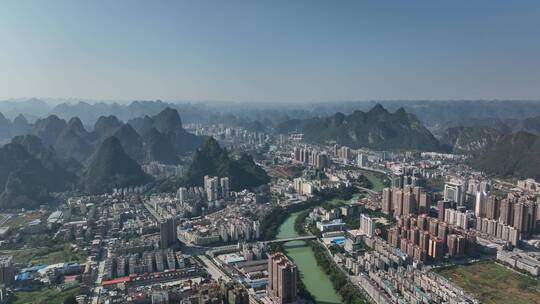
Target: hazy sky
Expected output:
[270,50]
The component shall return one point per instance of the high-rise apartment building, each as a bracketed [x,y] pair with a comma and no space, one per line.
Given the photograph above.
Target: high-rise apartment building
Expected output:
[361,160]
[167,233]
[524,216]
[403,201]
[481,204]
[282,279]
[344,153]
[409,203]
[442,206]
[453,191]
[387,201]
[397,201]
[224,184]
[311,157]
[506,213]
[296,153]
[211,187]
[424,203]
[492,207]
[367,226]
[7,271]
[216,188]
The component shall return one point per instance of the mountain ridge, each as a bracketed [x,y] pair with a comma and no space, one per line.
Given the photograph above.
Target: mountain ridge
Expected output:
[111,167]
[376,129]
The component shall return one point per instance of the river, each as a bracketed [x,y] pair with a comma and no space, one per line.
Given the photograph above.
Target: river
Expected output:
[315,280]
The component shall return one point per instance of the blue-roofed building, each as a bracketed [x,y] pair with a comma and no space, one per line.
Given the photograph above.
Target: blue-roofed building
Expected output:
[257,284]
[29,278]
[23,276]
[33,268]
[338,240]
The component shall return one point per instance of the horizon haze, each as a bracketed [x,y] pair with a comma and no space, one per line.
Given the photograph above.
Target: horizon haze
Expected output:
[309,51]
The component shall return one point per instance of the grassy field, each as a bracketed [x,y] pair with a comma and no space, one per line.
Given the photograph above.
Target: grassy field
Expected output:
[46,255]
[21,220]
[494,284]
[57,256]
[44,295]
[375,179]
[337,202]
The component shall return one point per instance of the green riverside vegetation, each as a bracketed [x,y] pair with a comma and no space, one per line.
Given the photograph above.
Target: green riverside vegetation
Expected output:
[346,289]
[270,224]
[350,294]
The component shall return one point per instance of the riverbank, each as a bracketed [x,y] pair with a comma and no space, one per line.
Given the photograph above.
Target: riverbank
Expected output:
[314,284]
[348,292]
[315,280]
[319,282]
[272,221]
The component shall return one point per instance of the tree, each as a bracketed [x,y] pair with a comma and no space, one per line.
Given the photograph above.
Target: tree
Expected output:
[70,300]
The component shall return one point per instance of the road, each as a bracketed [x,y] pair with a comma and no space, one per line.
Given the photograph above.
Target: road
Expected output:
[372,192]
[298,238]
[375,170]
[96,291]
[504,183]
[154,213]
[213,270]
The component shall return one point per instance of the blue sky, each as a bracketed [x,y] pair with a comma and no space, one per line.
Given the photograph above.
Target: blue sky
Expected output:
[270,50]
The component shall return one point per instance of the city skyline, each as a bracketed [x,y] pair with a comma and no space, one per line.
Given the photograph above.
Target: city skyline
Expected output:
[279,52]
[269,152]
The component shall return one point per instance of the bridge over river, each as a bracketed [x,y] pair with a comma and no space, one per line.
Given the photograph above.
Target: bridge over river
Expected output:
[298,238]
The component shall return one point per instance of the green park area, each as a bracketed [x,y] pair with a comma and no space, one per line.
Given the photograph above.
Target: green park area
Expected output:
[46,295]
[37,248]
[55,253]
[18,220]
[376,179]
[492,283]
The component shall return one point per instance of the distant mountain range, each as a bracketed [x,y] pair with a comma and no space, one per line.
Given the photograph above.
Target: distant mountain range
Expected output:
[470,139]
[514,155]
[56,155]
[144,139]
[8,129]
[478,135]
[436,115]
[91,147]
[508,148]
[376,129]
[28,172]
[504,148]
[167,122]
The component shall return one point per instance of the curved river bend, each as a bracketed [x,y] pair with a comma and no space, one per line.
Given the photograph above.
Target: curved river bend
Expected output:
[314,278]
